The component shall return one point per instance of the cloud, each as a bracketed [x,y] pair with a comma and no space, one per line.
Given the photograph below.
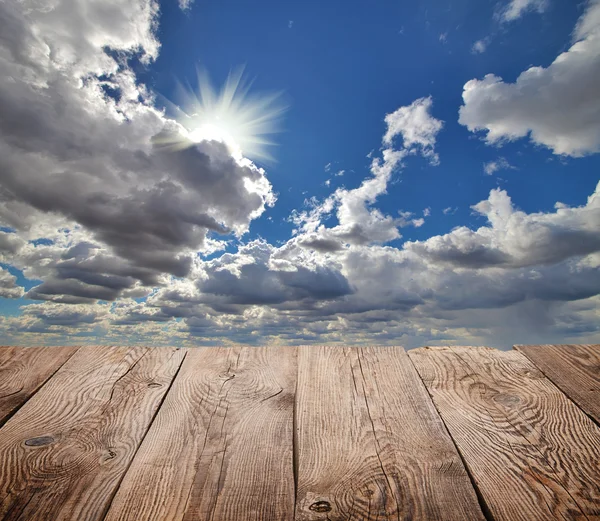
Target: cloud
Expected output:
[480,46]
[115,231]
[359,223]
[557,106]
[416,126]
[75,116]
[8,285]
[517,8]
[501,163]
[515,239]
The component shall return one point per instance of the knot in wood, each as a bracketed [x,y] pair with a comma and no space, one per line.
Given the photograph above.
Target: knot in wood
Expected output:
[320,506]
[40,441]
[508,400]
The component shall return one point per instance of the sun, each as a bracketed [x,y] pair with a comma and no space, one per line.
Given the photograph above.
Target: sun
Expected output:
[234,116]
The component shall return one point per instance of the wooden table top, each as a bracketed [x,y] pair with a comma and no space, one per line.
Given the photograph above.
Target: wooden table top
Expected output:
[306,434]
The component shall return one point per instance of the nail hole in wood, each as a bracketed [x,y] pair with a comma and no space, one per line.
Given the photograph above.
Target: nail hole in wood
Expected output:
[154,384]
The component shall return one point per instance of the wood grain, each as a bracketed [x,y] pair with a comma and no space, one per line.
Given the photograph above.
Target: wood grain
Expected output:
[574,368]
[221,446]
[370,445]
[532,453]
[23,370]
[64,452]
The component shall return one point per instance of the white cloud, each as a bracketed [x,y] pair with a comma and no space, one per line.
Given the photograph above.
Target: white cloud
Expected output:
[443,38]
[557,106]
[358,221]
[184,5]
[501,163]
[290,24]
[416,126]
[516,239]
[517,8]
[479,46]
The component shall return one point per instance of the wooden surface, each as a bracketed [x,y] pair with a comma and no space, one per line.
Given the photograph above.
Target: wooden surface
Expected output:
[23,371]
[221,447]
[65,451]
[306,434]
[575,369]
[370,444]
[532,453]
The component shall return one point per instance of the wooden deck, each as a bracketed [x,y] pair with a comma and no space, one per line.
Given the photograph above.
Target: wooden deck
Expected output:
[304,434]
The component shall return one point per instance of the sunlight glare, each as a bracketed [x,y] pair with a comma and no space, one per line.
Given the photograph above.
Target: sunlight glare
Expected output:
[241,120]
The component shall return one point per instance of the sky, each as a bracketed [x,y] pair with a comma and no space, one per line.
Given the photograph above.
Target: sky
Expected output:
[323,172]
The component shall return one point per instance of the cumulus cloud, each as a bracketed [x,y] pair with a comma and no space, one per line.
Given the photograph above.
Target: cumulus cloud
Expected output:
[417,127]
[81,140]
[8,285]
[515,239]
[556,106]
[411,130]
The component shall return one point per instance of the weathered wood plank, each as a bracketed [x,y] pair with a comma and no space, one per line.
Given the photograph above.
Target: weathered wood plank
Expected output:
[532,453]
[23,370]
[64,452]
[574,368]
[370,444]
[221,447]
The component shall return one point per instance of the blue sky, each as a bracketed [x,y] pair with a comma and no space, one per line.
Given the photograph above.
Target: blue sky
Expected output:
[343,69]
[444,233]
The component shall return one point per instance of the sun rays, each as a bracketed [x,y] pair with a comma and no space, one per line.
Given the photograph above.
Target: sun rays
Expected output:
[244,121]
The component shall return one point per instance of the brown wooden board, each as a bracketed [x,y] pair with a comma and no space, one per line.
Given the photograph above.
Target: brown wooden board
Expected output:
[370,444]
[63,454]
[220,448]
[574,368]
[532,453]
[23,370]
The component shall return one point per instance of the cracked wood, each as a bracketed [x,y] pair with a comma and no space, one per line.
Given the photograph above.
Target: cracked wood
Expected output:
[221,447]
[370,444]
[533,454]
[575,369]
[23,371]
[63,454]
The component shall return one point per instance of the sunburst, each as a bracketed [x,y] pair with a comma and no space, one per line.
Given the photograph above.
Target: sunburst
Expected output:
[242,120]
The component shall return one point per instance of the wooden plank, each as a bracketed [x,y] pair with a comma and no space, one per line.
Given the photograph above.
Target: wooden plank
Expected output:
[220,448]
[64,452]
[574,368]
[23,370]
[532,453]
[370,444]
